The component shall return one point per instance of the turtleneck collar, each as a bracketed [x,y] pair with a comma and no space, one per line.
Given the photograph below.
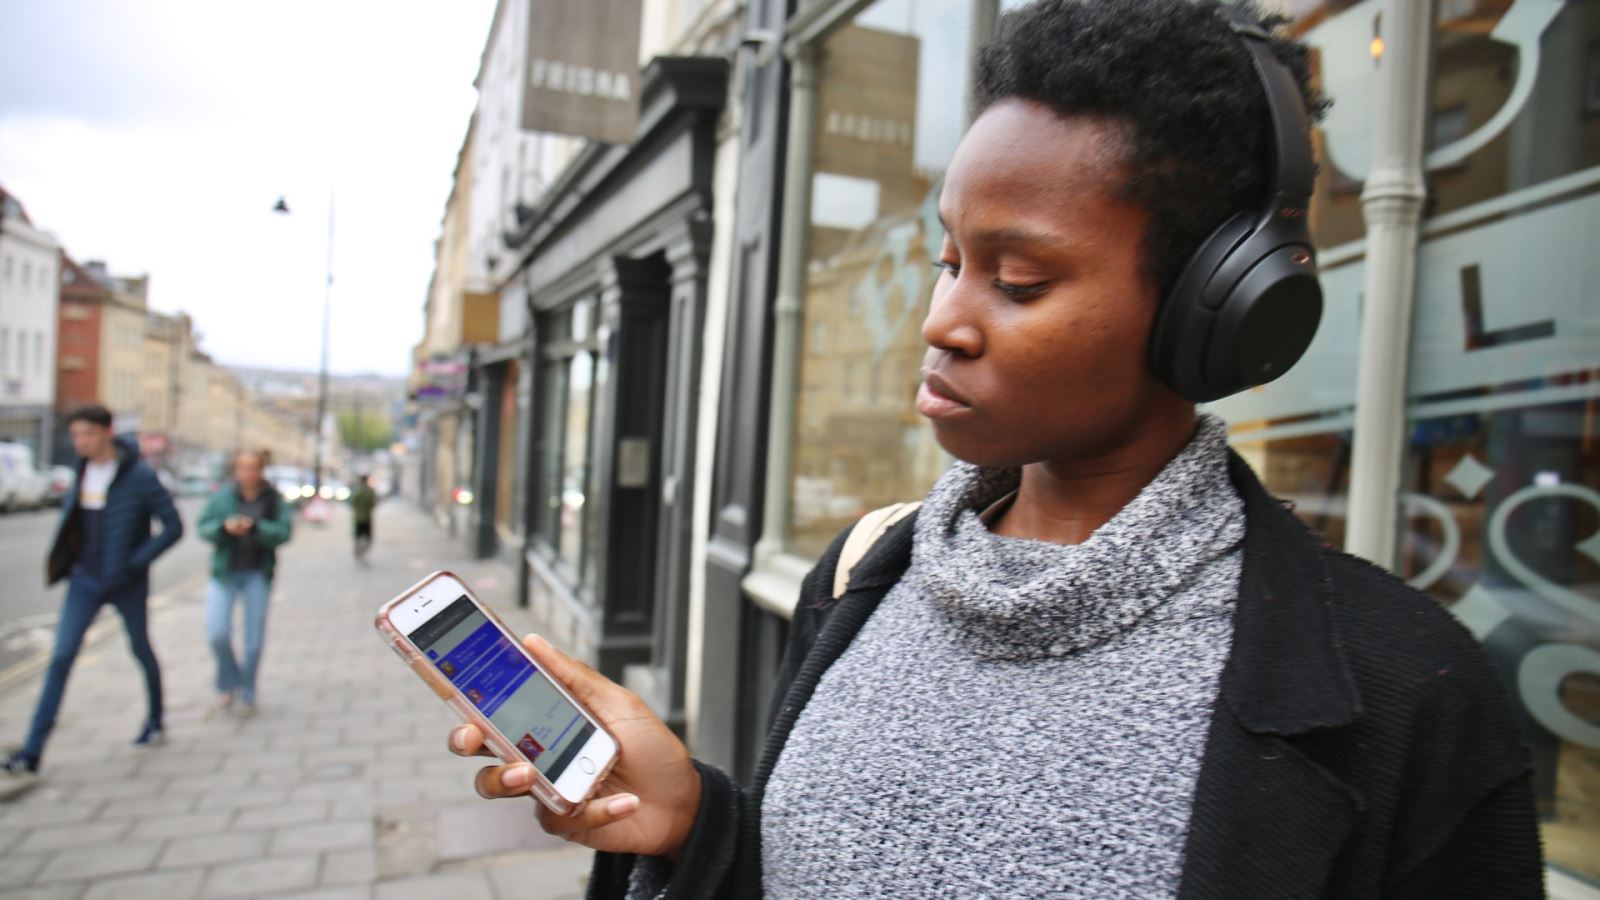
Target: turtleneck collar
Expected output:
[1019,599]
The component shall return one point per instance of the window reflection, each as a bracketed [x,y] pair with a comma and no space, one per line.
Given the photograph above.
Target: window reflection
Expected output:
[891,109]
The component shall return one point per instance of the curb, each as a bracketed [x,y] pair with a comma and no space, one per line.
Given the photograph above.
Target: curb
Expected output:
[26,670]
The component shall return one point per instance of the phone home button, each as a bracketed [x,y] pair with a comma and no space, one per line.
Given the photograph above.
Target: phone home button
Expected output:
[586,764]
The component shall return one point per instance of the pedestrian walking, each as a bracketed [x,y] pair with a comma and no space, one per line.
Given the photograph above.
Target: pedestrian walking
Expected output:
[104,545]
[247,521]
[363,500]
[1099,660]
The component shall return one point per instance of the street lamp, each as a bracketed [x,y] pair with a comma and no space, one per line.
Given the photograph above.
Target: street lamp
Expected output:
[282,208]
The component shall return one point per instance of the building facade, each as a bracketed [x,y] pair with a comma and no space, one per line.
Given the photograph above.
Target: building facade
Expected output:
[29,295]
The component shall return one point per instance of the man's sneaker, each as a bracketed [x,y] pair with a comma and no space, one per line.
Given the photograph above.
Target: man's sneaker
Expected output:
[18,773]
[150,736]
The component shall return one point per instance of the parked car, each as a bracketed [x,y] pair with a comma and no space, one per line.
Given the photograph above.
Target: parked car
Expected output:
[58,482]
[21,485]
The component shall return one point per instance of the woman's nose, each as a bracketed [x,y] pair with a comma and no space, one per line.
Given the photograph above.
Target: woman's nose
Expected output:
[950,325]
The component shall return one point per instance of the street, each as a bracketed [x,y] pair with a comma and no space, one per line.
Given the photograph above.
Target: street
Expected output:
[340,787]
[28,608]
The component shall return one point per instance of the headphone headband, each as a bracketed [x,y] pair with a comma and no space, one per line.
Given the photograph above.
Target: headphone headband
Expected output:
[1292,171]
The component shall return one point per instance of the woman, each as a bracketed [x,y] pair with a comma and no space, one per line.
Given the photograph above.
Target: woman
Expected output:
[247,521]
[1100,661]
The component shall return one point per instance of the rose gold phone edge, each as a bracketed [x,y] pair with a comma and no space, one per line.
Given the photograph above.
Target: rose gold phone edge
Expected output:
[542,788]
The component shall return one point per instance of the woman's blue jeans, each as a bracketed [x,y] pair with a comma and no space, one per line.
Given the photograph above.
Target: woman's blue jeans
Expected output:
[85,596]
[233,678]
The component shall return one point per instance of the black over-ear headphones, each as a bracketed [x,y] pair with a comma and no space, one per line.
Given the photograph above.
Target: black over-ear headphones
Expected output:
[1247,304]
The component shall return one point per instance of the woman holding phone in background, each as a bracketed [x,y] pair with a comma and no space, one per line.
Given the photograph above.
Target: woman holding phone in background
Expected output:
[246,521]
[1100,660]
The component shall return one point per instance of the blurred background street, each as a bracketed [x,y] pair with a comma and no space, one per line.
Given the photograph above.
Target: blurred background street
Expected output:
[340,787]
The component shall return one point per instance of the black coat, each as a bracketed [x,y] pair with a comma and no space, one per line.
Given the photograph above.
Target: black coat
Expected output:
[1361,745]
[127,544]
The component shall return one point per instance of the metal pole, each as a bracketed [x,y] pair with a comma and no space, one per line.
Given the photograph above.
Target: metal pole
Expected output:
[1392,206]
[322,376]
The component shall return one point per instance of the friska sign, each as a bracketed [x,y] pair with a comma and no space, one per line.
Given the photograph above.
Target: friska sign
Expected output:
[582,72]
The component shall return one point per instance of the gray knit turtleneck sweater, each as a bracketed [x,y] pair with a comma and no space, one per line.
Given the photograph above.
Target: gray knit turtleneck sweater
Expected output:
[1018,718]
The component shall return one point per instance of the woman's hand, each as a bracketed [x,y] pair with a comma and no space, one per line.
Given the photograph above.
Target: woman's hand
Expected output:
[646,805]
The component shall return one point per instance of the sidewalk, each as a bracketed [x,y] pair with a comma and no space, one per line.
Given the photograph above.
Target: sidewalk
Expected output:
[341,787]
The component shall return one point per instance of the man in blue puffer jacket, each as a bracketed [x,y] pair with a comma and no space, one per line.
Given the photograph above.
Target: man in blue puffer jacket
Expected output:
[105,544]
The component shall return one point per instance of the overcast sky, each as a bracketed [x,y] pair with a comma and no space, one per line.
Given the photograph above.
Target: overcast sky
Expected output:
[157,135]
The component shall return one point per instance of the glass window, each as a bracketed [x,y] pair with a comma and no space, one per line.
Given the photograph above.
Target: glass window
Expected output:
[562,518]
[890,110]
[38,351]
[1502,507]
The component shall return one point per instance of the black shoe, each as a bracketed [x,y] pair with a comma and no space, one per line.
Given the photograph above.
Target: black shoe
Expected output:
[151,736]
[18,773]
[18,763]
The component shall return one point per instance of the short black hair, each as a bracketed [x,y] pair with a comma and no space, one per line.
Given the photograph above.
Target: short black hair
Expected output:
[94,414]
[1175,75]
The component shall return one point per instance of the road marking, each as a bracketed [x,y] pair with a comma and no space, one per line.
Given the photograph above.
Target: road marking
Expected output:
[28,668]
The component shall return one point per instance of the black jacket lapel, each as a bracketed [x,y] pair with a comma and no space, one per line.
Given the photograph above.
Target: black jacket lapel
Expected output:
[1268,820]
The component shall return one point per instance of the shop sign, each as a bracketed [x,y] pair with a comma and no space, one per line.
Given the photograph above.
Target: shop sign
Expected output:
[441,382]
[582,74]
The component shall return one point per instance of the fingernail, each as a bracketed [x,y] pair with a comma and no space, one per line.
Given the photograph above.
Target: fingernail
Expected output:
[621,806]
[458,739]
[517,776]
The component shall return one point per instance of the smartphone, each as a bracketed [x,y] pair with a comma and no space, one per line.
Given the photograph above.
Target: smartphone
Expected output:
[462,650]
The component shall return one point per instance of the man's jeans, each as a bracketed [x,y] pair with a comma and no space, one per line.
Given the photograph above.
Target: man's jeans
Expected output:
[254,586]
[85,595]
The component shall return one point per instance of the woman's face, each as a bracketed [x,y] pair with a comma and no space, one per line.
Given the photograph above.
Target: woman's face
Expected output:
[1037,331]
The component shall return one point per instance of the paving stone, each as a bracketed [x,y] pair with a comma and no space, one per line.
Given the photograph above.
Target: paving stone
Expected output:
[350,892]
[455,885]
[185,764]
[235,799]
[214,848]
[550,875]
[66,837]
[150,886]
[263,876]
[349,867]
[324,836]
[46,892]
[148,807]
[280,816]
[180,826]
[98,861]
[20,868]
[31,814]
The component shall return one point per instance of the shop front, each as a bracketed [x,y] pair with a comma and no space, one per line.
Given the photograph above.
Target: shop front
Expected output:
[614,266]
[1498,500]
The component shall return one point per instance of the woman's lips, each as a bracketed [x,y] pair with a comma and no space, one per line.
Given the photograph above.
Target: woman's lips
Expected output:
[938,399]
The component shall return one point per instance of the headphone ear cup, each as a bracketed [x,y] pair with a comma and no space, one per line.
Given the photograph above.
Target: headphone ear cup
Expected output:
[1180,335]
[1267,321]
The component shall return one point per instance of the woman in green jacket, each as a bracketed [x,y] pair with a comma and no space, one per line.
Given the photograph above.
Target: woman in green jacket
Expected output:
[247,521]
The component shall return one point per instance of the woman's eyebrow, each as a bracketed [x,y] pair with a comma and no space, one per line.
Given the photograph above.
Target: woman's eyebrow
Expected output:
[1011,235]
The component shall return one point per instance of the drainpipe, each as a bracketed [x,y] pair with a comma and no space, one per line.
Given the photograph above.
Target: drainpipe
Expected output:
[1392,206]
[789,308]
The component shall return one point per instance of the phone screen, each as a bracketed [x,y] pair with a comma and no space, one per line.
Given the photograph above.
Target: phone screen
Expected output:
[494,674]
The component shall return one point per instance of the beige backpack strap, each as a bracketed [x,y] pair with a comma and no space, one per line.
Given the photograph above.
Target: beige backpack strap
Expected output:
[866,532]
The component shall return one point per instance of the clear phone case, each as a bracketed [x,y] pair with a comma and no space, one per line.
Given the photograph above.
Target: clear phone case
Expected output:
[502,747]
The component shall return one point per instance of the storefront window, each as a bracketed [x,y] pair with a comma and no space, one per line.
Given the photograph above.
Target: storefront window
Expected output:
[890,111]
[562,441]
[1503,476]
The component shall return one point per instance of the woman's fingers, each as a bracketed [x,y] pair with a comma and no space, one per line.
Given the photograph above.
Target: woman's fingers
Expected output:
[597,813]
[589,687]
[495,782]
[467,740]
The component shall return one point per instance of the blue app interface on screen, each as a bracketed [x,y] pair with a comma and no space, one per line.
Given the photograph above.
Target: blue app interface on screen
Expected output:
[499,680]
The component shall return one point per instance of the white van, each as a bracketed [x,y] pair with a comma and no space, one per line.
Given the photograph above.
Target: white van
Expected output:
[22,486]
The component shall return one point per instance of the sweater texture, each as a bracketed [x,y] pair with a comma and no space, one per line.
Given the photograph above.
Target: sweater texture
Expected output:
[1019,718]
